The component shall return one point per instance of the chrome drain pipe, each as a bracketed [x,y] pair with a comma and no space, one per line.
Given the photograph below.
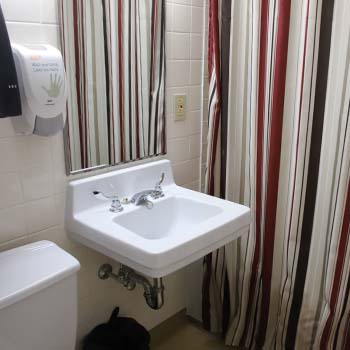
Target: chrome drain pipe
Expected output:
[153,293]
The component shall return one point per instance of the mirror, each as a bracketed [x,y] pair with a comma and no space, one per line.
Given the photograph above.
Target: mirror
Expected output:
[114,51]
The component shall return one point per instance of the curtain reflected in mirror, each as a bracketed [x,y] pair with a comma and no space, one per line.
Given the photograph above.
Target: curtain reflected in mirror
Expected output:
[114,52]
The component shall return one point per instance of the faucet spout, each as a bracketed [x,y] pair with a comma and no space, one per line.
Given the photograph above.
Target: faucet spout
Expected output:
[141,198]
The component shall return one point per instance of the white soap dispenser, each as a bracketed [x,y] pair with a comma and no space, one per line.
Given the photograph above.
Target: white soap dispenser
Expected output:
[42,84]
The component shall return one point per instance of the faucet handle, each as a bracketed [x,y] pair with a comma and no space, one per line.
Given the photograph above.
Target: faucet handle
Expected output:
[158,191]
[158,186]
[116,206]
[101,195]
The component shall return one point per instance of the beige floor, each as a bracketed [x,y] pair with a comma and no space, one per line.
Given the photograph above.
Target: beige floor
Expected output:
[180,333]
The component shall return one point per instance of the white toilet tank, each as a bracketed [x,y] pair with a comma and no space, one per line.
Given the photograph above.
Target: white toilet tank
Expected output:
[38,298]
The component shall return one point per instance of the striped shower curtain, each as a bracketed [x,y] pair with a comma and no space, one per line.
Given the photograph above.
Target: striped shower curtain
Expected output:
[114,52]
[279,142]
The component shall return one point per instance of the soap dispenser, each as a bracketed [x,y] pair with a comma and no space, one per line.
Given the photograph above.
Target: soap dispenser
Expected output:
[10,101]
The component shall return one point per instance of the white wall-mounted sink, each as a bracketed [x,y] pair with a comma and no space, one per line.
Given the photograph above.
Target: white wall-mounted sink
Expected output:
[182,226]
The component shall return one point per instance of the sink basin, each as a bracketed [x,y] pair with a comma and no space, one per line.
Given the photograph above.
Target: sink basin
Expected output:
[180,228]
[169,217]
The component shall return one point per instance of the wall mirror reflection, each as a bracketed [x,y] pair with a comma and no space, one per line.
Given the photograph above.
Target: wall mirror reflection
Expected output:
[114,52]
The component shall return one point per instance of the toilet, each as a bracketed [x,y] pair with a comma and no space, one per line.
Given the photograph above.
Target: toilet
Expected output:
[38,298]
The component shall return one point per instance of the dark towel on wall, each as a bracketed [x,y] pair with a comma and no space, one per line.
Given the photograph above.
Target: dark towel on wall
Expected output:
[10,101]
[120,333]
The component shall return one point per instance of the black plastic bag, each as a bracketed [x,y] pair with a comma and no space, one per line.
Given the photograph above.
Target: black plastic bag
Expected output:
[120,333]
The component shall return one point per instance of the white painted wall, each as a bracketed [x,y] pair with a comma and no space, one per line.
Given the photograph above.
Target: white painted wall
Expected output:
[32,168]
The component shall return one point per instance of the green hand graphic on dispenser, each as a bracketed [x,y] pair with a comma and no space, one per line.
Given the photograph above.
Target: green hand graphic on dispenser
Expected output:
[55,86]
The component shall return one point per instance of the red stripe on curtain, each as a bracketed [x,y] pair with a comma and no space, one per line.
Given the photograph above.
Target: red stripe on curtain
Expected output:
[137,112]
[340,264]
[274,161]
[214,72]
[77,77]
[121,79]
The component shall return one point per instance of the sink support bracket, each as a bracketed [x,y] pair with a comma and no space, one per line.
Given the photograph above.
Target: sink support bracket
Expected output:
[153,293]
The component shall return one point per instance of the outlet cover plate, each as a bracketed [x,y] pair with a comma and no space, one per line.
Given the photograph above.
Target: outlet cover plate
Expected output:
[180,107]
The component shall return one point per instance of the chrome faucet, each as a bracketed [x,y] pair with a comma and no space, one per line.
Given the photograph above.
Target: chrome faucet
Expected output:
[141,198]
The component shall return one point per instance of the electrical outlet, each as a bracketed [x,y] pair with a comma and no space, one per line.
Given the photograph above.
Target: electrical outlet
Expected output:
[180,107]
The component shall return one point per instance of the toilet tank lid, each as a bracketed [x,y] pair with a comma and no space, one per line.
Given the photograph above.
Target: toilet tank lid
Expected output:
[28,269]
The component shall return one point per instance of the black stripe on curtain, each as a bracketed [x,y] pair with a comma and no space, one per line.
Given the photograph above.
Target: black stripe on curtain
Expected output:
[207,262]
[225,75]
[129,79]
[151,75]
[313,170]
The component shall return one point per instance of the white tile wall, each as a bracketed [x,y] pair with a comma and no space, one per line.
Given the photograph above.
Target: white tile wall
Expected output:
[32,170]
[184,76]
